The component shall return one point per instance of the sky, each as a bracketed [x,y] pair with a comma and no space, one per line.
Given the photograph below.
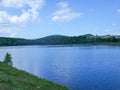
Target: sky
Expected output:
[32,19]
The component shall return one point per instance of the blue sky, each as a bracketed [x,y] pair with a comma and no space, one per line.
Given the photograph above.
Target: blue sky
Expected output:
[39,18]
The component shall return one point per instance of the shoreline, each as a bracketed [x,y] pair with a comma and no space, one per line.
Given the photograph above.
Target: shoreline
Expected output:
[14,79]
[65,45]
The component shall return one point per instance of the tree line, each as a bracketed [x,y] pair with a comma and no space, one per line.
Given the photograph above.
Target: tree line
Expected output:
[62,40]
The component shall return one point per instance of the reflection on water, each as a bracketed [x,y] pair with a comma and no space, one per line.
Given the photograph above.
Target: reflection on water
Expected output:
[79,67]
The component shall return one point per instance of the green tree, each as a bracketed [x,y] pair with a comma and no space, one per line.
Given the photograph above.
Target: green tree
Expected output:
[8,59]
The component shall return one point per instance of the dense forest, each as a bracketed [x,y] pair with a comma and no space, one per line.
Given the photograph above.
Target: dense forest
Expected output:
[63,40]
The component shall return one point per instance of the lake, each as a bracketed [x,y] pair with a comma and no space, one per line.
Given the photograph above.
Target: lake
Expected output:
[77,67]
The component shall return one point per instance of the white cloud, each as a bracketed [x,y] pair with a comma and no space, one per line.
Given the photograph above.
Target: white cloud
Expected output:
[63,4]
[24,17]
[64,13]
[6,18]
[10,24]
[22,3]
[13,3]
[31,13]
[117,33]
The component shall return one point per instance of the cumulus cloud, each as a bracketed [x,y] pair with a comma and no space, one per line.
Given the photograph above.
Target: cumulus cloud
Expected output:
[6,18]
[28,11]
[22,3]
[31,13]
[24,17]
[64,13]
[63,4]
[13,3]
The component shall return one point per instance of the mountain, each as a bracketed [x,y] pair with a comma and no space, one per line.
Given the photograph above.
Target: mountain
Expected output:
[52,40]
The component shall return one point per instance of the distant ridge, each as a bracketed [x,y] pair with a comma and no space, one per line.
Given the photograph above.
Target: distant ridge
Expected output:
[55,36]
[63,40]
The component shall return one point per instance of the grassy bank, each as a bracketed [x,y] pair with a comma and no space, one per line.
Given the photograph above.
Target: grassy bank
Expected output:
[13,79]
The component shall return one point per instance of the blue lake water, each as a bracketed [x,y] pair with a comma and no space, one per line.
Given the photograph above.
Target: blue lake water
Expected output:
[77,67]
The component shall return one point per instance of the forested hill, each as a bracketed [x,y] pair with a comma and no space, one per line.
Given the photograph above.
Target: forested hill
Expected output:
[62,40]
[6,41]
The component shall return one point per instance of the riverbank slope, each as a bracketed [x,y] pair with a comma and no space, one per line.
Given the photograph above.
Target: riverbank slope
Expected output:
[14,79]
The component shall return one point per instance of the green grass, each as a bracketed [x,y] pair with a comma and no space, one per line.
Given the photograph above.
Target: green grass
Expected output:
[14,79]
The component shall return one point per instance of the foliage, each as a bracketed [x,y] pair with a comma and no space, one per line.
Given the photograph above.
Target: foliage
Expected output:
[8,59]
[63,40]
[13,79]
